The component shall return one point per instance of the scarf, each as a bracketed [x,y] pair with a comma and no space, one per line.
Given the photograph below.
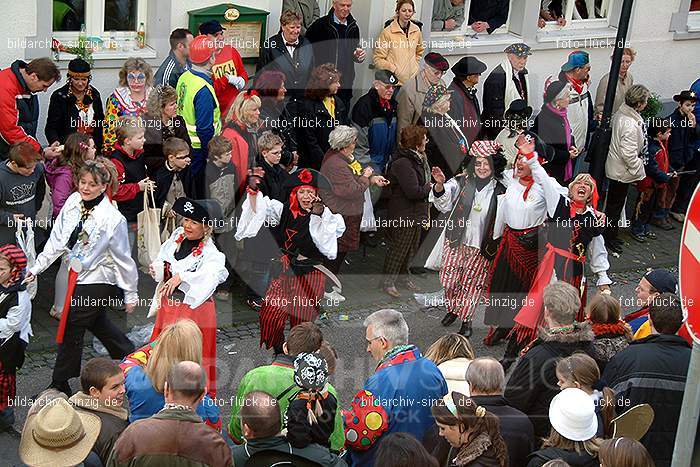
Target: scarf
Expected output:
[86,208]
[576,84]
[355,167]
[329,104]
[620,328]
[511,91]
[562,113]
[397,355]
[385,104]
[294,201]
[530,181]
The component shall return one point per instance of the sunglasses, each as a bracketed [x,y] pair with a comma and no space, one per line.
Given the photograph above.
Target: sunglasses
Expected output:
[136,77]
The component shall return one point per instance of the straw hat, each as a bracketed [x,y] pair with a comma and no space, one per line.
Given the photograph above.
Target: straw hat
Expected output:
[572,414]
[58,436]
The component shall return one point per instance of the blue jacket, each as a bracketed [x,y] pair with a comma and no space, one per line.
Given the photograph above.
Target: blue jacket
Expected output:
[407,385]
[145,401]
[681,143]
[376,129]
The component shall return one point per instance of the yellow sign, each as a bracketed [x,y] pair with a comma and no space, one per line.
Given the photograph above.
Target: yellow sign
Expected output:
[232,14]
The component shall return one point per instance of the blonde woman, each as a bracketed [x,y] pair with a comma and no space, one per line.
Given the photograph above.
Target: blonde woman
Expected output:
[146,369]
[162,122]
[452,354]
[241,127]
[188,270]
[135,84]
[400,45]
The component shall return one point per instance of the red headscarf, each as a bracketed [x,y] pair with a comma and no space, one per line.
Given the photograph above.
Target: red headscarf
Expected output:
[18,263]
[294,200]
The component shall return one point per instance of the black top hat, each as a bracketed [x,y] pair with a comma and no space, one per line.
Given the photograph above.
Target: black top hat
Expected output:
[386,77]
[210,27]
[437,61]
[202,210]
[519,108]
[468,66]
[685,96]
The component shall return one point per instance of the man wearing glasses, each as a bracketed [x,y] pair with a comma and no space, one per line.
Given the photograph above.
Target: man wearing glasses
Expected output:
[412,94]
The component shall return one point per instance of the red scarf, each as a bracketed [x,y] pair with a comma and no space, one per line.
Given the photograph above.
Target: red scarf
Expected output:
[385,103]
[575,206]
[576,84]
[530,181]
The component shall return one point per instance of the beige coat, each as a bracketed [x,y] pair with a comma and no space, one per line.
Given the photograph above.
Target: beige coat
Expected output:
[455,373]
[410,101]
[397,53]
[624,163]
[622,87]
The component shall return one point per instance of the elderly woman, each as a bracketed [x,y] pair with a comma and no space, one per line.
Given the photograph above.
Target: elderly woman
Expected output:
[624,82]
[241,127]
[447,146]
[349,182]
[400,45]
[516,120]
[472,432]
[162,122]
[129,99]
[408,208]
[188,270]
[75,107]
[625,164]
[321,111]
[552,125]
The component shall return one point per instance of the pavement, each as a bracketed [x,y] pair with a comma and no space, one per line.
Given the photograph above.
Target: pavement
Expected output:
[238,335]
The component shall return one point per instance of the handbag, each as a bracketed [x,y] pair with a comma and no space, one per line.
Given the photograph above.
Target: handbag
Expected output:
[25,240]
[168,229]
[148,230]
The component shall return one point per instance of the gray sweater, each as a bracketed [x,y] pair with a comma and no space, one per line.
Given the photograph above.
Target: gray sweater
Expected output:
[19,195]
[444,10]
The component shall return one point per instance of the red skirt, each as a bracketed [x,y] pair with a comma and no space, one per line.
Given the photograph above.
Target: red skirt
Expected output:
[296,297]
[464,275]
[204,315]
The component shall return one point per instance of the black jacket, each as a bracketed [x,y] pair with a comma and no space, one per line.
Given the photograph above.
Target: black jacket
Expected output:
[541,457]
[315,126]
[156,134]
[681,143]
[408,199]
[516,428]
[274,56]
[533,383]
[465,109]
[336,44]
[279,119]
[447,148]
[62,119]
[494,12]
[494,99]
[550,127]
[653,371]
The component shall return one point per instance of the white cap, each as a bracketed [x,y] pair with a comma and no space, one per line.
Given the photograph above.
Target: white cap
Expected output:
[572,414]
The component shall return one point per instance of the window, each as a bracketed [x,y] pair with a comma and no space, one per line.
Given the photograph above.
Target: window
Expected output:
[685,23]
[114,22]
[448,8]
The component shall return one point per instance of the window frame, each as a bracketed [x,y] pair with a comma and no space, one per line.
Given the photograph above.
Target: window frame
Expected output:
[685,24]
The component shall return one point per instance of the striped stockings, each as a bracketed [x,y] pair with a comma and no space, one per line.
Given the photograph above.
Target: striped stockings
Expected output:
[464,275]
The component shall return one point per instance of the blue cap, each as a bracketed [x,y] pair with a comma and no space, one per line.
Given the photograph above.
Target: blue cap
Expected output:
[662,280]
[577,59]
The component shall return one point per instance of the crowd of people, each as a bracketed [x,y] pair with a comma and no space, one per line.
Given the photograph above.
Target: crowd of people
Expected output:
[272,179]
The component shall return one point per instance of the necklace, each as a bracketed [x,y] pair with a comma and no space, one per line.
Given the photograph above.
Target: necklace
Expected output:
[173,406]
[562,329]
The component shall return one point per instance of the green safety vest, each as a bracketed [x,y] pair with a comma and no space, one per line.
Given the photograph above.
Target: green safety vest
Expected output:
[188,85]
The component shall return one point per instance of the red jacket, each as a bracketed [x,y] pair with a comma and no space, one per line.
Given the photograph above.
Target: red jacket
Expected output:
[655,172]
[228,62]
[19,109]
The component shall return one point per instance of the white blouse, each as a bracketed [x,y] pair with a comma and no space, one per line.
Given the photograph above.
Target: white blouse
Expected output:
[18,318]
[105,256]
[324,229]
[200,274]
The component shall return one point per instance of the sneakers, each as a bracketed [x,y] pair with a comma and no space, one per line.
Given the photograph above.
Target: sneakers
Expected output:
[333,297]
[638,237]
[678,217]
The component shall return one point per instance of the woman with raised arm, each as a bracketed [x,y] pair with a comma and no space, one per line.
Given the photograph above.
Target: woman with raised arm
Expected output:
[306,231]
[470,201]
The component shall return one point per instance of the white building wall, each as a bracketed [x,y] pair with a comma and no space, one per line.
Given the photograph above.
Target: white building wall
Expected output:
[663,64]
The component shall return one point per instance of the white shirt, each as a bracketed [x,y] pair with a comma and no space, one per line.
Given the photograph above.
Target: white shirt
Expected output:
[105,256]
[18,318]
[324,229]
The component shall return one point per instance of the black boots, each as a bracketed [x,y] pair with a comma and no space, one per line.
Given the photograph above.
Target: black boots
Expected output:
[466,329]
[448,319]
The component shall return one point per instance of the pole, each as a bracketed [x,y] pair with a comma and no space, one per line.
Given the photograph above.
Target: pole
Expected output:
[688,423]
[600,141]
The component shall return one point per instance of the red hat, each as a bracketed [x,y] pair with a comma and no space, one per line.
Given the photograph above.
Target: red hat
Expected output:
[201,49]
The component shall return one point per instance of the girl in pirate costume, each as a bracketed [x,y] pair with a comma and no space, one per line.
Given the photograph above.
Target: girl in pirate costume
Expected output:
[520,217]
[574,234]
[15,329]
[470,202]
[306,231]
[188,270]
[92,234]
